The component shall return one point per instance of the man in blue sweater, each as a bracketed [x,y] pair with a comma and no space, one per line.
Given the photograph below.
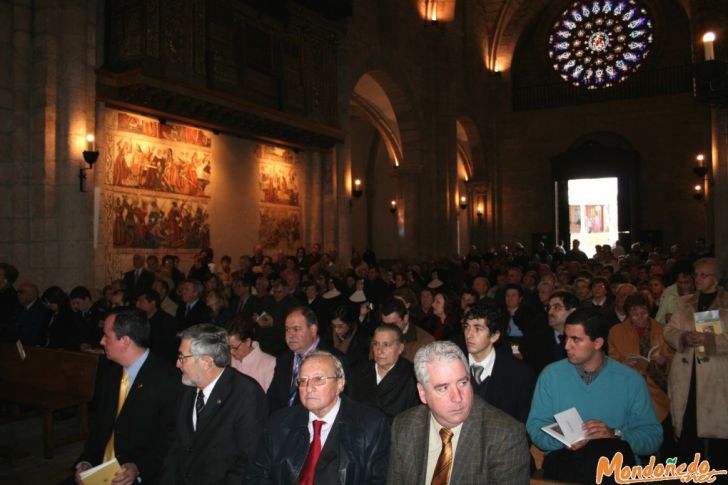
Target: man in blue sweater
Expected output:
[611,398]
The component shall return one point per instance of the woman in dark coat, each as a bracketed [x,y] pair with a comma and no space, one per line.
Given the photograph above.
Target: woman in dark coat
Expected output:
[387,382]
[64,331]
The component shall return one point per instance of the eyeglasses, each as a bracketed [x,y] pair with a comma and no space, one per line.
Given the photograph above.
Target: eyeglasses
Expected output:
[182,358]
[236,347]
[317,381]
[703,275]
[556,307]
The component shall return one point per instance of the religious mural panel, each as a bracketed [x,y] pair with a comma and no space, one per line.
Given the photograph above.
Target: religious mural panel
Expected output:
[280,199]
[152,222]
[156,188]
[280,228]
[144,154]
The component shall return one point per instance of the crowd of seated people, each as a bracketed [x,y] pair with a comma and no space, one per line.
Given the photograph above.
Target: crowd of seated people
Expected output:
[614,326]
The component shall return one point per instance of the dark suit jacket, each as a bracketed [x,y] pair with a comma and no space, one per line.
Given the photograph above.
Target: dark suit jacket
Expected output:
[228,430]
[396,393]
[32,324]
[356,450]
[279,388]
[200,313]
[146,278]
[252,305]
[163,339]
[143,429]
[492,448]
[510,385]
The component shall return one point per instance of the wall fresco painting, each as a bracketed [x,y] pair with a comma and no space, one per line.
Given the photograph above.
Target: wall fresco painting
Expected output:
[156,184]
[279,188]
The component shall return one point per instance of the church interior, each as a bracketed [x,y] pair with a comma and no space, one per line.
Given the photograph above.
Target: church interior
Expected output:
[416,129]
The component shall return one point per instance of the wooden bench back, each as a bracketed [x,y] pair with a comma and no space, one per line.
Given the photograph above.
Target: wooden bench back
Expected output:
[49,370]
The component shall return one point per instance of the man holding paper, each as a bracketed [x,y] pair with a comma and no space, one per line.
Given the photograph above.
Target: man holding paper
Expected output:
[136,403]
[612,399]
[698,379]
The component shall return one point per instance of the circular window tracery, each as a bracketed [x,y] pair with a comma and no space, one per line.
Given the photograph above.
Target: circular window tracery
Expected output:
[600,43]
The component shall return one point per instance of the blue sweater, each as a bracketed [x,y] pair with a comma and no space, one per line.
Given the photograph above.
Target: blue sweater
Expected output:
[618,397]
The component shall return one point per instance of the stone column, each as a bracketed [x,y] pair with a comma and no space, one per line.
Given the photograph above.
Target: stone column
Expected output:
[720,189]
[313,212]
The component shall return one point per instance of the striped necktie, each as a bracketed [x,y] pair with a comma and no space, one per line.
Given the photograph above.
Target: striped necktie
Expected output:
[444,461]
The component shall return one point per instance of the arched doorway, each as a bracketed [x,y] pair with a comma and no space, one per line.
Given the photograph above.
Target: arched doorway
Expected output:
[600,156]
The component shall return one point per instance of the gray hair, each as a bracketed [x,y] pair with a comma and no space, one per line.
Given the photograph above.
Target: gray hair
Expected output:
[713,263]
[439,351]
[338,366]
[208,339]
[197,286]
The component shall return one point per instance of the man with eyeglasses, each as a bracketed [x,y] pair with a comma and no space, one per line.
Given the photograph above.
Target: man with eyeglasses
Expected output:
[220,414]
[302,338]
[326,439]
[698,378]
[561,305]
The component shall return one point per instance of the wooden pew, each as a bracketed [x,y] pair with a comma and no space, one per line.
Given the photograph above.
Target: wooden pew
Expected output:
[49,380]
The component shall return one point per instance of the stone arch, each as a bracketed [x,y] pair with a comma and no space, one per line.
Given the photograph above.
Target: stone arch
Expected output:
[385,151]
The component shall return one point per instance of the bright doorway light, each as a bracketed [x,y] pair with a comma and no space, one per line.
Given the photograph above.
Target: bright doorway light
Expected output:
[593,212]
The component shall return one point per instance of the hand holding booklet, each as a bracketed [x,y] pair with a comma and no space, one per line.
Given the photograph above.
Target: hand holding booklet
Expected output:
[567,428]
[102,474]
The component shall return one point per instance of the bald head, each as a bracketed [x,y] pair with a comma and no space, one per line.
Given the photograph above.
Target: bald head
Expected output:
[27,293]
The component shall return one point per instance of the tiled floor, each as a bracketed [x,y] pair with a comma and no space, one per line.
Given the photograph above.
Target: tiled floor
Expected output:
[21,451]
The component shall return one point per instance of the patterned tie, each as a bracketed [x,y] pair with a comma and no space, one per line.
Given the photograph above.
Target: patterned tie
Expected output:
[109,452]
[444,461]
[293,389]
[314,451]
[199,403]
[477,372]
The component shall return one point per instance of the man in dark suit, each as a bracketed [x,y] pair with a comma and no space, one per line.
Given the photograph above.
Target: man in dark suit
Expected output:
[32,320]
[329,439]
[220,415]
[138,278]
[136,402]
[302,338]
[242,302]
[488,445]
[496,376]
[163,332]
[90,318]
[192,310]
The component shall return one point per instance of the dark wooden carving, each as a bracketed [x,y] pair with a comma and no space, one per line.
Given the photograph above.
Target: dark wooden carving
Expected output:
[282,58]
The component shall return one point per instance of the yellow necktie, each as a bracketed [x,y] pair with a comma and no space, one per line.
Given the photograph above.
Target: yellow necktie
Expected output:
[444,461]
[123,386]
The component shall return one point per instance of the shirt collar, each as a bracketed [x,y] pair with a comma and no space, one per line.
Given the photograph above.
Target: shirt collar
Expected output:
[133,369]
[329,417]
[589,377]
[487,363]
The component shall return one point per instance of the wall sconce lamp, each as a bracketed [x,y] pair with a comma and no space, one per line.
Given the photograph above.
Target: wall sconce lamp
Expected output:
[357,190]
[700,169]
[463,202]
[393,206]
[431,12]
[90,155]
[480,212]
[708,41]
[698,192]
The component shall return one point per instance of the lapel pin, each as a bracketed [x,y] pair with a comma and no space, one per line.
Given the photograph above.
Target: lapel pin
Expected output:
[219,401]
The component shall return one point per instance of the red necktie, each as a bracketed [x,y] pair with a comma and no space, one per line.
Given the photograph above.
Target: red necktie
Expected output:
[314,451]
